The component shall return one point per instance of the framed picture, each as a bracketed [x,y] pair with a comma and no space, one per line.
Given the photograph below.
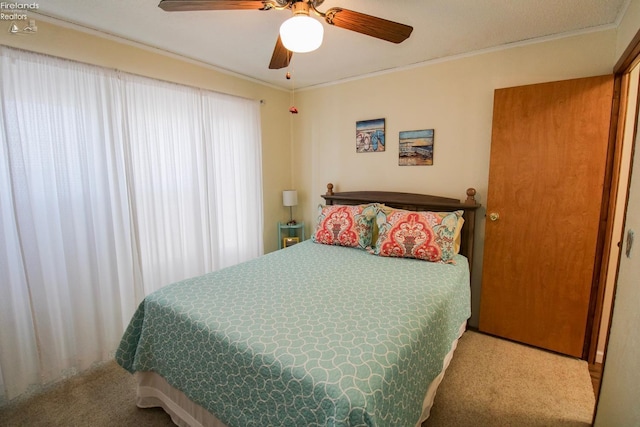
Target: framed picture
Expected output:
[289,241]
[370,136]
[416,148]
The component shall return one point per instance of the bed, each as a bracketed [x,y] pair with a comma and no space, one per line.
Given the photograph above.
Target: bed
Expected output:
[311,335]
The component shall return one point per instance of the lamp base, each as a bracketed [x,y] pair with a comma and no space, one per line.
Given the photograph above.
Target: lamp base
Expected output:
[291,220]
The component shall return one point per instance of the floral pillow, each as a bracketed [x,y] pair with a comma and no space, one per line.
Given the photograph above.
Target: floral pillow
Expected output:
[344,225]
[430,236]
[446,216]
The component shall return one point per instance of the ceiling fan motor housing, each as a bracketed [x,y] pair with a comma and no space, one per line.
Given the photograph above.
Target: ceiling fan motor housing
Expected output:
[300,8]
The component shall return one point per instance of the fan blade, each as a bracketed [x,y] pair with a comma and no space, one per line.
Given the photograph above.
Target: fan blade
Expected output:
[370,25]
[281,56]
[188,5]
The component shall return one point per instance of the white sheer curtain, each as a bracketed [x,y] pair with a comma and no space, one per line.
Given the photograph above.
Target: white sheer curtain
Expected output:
[67,264]
[109,189]
[237,202]
[194,180]
[168,181]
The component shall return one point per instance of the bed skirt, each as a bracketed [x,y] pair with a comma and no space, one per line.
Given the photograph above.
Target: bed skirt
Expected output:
[154,391]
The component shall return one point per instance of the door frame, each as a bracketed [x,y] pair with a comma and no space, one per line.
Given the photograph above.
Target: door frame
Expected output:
[613,186]
[605,233]
[629,60]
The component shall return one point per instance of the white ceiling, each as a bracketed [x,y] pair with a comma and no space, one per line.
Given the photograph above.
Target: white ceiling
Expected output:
[242,41]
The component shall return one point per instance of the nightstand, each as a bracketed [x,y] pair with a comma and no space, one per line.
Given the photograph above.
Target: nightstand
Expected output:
[289,235]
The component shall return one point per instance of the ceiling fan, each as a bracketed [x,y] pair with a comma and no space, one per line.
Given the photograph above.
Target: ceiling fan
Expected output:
[344,18]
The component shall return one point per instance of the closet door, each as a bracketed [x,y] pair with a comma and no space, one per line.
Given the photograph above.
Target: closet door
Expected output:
[547,168]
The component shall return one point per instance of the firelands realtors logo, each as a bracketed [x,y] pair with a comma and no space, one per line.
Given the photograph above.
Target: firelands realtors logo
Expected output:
[17,14]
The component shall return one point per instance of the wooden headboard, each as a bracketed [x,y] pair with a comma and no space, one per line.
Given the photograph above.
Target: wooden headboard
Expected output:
[416,202]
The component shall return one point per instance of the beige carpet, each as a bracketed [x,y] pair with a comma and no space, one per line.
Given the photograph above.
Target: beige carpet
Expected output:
[493,382]
[490,382]
[103,397]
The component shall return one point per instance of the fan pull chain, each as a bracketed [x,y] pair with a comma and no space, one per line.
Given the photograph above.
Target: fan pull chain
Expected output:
[292,109]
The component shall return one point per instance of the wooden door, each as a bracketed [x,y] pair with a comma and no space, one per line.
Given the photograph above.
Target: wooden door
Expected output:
[548,157]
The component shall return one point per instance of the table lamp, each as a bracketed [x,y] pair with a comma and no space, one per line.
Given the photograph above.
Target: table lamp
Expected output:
[290,198]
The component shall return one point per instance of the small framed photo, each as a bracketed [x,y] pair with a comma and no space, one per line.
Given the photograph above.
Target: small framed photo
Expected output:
[290,241]
[370,136]
[416,148]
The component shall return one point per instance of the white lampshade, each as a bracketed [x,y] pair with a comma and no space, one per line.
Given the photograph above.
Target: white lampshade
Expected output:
[289,198]
[301,33]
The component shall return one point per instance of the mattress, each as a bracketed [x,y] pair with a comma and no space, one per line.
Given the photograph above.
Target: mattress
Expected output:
[311,335]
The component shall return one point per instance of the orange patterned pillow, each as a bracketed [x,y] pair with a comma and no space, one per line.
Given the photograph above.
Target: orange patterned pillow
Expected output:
[429,236]
[344,225]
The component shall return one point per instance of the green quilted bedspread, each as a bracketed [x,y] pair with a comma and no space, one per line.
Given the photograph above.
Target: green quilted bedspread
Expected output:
[311,335]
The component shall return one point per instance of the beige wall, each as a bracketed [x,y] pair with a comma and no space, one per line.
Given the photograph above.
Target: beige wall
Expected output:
[90,48]
[453,97]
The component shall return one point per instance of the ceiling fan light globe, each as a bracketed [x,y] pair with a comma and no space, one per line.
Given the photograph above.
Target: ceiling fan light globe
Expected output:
[301,34]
